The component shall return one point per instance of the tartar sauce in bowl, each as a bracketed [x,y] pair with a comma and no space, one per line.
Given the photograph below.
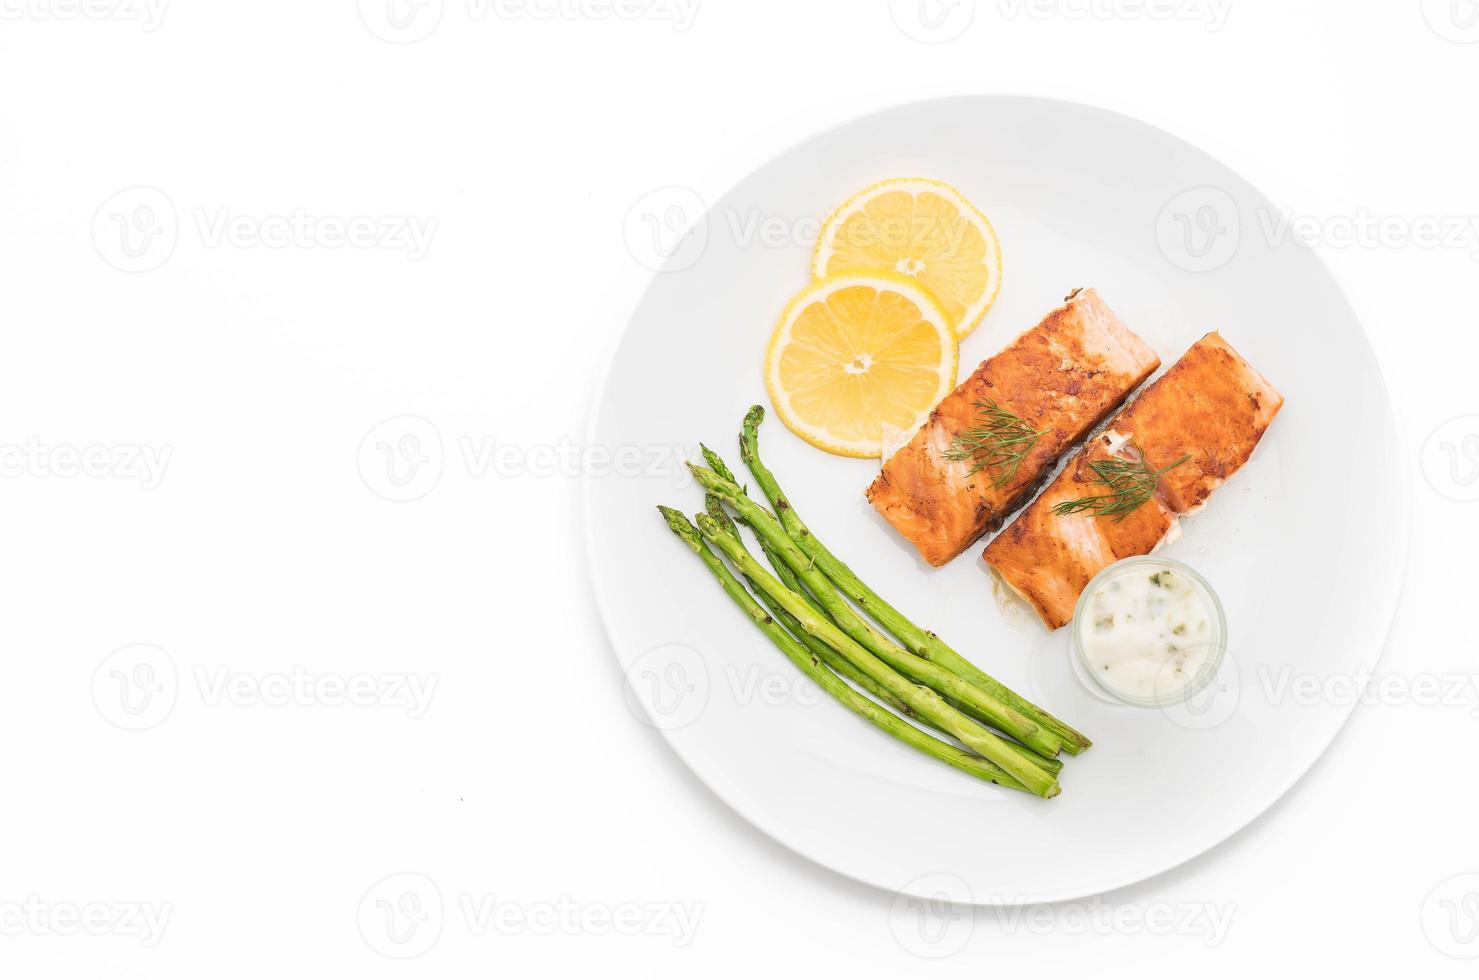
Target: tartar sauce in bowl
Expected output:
[1149,631]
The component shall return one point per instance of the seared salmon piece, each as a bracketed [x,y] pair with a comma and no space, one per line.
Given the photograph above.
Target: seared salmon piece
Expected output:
[1061,378]
[1047,559]
[1211,407]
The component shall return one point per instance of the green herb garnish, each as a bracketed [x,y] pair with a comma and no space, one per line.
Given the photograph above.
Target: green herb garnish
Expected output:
[999,441]
[1131,482]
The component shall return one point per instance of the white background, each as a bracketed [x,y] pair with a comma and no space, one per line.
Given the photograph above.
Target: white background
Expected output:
[256,827]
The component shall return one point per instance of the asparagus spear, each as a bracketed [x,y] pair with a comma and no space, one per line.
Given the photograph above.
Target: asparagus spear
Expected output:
[787,577]
[715,509]
[930,706]
[814,646]
[918,641]
[825,679]
[983,703]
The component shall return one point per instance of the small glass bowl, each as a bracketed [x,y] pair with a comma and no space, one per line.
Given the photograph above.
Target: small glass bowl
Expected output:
[1218,640]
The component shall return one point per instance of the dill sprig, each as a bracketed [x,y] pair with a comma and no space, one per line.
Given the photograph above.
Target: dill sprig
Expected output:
[999,441]
[1131,482]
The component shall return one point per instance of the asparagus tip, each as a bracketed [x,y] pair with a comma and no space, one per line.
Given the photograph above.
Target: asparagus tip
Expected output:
[679,525]
[710,480]
[717,464]
[707,526]
[714,507]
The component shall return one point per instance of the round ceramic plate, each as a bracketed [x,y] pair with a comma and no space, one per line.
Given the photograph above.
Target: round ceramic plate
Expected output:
[1307,568]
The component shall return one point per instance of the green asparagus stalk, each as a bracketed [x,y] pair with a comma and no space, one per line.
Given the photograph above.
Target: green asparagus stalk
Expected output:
[715,509]
[923,643]
[929,705]
[825,679]
[982,703]
[789,580]
[714,506]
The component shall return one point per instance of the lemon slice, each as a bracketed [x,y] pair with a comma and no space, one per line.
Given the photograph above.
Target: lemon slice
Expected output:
[856,352]
[923,229]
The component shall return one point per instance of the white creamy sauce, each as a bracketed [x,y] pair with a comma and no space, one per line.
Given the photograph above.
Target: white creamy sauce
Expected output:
[1147,633]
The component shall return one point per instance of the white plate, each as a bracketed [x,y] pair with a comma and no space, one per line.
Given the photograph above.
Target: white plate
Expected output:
[1305,545]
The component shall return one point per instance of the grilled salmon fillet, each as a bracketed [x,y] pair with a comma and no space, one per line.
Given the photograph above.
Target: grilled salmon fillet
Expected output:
[1211,406]
[1062,377]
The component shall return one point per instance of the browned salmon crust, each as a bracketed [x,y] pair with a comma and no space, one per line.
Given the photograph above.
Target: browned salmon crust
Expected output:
[1211,406]
[1064,375]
